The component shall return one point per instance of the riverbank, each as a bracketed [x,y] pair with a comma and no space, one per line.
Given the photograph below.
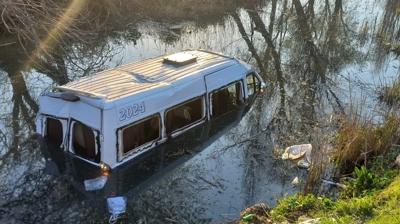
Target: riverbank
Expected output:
[376,203]
[367,161]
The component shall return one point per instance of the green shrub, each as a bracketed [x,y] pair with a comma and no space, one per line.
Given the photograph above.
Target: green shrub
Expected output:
[365,180]
[368,180]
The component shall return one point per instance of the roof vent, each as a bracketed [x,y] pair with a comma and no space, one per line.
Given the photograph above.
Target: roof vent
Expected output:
[180,59]
[69,97]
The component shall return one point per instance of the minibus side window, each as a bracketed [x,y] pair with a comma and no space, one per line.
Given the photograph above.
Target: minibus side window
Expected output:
[184,115]
[84,142]
[253,84]
[54,131]
[140,133]
[226,99]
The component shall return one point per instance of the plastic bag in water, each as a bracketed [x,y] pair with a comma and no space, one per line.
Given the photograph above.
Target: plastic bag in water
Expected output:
[116,205]
[297,151]
[95,184]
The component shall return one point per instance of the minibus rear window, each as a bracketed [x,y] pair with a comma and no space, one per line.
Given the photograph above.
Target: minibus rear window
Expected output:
[140,133]
[54,131]
[184,115]
[84,142]
[226,99]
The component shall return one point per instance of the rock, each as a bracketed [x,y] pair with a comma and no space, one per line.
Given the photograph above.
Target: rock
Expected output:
[258,209]
[297,151]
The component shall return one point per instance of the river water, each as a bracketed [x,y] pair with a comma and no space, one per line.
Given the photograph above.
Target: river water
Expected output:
[320,59]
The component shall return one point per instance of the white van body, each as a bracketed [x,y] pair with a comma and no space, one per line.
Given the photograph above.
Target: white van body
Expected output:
[112,101]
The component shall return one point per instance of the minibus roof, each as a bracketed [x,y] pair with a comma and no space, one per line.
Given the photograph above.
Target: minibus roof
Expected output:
[151,75]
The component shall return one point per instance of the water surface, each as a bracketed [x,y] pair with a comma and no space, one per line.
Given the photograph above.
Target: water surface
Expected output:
[320,60]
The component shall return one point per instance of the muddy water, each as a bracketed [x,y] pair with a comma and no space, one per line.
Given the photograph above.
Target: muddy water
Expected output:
[320,59]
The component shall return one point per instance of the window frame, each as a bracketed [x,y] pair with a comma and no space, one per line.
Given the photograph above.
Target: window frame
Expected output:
[120,147]
[241,97]
[64,125]
[96,134]
[191,125]
[257,88]
[46,129]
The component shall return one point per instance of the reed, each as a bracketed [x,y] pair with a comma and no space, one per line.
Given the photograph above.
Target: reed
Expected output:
[390,95]
[360,140]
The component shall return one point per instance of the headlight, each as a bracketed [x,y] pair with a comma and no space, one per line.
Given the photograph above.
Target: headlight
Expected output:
[104,168]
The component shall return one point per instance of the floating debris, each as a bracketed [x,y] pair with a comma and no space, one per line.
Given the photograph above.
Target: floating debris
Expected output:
[95,184]
[295,181]
[177,27]
[116,207]
[306,220]
[248,218]
[297,151]
[334,183]
[304,163]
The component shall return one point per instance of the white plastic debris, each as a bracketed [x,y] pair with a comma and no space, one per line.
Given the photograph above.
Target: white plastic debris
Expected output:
[304,163]
[295,181]
[177,27]
[397,161]
[310,221]
[116,205]
[95,184]
[334,183]
[297,151]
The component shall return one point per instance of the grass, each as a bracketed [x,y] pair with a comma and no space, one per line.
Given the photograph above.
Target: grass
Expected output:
[292,207]
[370,204]
[379,204]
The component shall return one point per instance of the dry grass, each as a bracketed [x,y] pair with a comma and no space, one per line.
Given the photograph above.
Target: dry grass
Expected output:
[359,141]
[390,95]
[320,168]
